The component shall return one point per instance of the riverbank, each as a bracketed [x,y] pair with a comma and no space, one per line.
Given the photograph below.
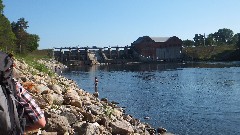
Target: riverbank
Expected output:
[71,110]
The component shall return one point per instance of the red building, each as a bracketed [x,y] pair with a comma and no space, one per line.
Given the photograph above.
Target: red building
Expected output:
[158,48]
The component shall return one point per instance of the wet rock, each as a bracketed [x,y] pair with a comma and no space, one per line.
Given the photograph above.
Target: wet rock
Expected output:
[152,131]
[127,117]
[104,99]
[161,130]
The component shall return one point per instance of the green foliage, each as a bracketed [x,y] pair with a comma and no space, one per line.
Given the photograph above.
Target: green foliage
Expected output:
[108,111]
[209,52]
[238,41]
[1,7]
[19,29]
[32,42]
[26,42]
[32,59]
[224,35]
[221,37]
[7,37]
[198,39]
[188,43]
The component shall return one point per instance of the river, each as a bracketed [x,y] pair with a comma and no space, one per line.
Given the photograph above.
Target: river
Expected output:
[185,98]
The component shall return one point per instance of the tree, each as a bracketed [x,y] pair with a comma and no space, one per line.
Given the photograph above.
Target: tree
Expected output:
[234,40]
[26,42]
[1,7]
[7,37]
[238,42]
[198,39]
[210,40]
[223,36]
[32,42]
[19,28]
[188,43]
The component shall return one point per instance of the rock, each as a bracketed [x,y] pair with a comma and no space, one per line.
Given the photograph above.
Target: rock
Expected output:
[40,102]
[70,117]
[48,133]
[87,129]
[96,94]
[95,110]
[117,113]
[57,123]
[22,65]
[146,117]
[104,121]
[88,117]
[56,88]
[79,128]
[121,127]
[161,130]
[134,121]
[57,99]
[48,98]
[24,79]
[127,117]
[40,88]
[80,92]
[104,99]
[76,103]
[114,102]
[152,131]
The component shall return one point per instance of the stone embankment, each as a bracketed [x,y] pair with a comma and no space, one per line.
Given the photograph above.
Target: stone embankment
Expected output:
[70,110]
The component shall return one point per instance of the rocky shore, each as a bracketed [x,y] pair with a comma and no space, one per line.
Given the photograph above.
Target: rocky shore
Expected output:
[70,110]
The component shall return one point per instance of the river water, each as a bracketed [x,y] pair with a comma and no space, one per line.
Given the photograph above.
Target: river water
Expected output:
[185,98]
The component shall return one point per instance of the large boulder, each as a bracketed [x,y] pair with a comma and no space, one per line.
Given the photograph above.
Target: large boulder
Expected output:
[57,123]
[85,128]
[121,127]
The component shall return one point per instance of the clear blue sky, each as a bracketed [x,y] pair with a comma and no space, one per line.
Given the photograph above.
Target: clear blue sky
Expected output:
[69,23]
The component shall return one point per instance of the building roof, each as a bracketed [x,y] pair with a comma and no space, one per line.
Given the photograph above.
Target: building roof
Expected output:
[159,39]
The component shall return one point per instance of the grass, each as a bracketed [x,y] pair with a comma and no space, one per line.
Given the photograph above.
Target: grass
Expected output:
[32,58]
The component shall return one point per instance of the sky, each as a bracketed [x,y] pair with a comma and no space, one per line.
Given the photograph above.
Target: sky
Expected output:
[103,23]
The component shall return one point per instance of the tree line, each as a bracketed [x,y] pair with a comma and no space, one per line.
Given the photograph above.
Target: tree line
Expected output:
[14,37]
[221,37]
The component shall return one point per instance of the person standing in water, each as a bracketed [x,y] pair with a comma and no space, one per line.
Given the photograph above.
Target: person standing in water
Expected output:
[96,94]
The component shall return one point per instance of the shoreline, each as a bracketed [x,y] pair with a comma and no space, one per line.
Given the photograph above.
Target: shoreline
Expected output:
[72,110]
